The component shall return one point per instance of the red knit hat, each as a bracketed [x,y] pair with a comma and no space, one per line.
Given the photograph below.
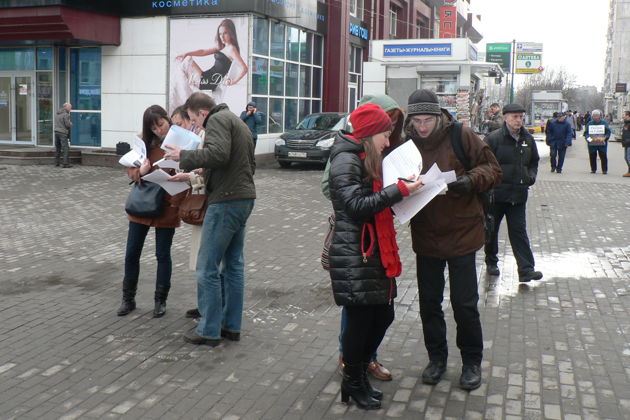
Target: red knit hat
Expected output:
[368,120]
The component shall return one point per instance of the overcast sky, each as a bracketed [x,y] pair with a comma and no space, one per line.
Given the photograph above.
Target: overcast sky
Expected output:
[573,32]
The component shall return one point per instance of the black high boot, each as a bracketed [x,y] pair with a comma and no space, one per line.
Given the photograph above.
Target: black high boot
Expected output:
[374,393]
[161,293]
[353,385]
[129,297]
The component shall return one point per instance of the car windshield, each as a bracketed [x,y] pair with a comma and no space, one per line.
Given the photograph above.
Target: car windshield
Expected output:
[333,122]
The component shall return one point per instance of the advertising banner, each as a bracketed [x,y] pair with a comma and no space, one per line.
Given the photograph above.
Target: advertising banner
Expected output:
[529,47]
[398,50]
[528,63]
[448,22]
[500,54]
[209,55]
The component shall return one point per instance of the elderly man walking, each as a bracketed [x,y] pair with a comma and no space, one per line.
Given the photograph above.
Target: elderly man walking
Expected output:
[62,135]
[517,154]
[449,230]
[559,137]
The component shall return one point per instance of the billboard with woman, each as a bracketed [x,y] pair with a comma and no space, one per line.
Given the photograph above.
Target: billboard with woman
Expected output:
[209,55]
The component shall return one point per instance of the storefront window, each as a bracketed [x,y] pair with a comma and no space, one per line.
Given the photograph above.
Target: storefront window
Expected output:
[44,58]
[62,84]
[261,36]
[293,44]
[45,111]
[17,59]
[259,76]
[277,40]
[293,69]
[85,96]
[445,86]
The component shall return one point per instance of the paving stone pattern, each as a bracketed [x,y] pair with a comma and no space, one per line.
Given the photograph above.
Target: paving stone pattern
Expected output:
[554,349]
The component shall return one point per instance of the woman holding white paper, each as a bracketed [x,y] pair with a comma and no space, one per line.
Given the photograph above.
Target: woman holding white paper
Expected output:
[155,125]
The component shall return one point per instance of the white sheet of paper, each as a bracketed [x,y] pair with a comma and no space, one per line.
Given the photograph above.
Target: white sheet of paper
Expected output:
[596,130]
[167,163]
[403,161]
[179,137]
[411,205]
[137,154]
[160,177]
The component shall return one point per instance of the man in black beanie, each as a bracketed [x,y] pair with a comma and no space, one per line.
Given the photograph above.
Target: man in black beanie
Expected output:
[449,230]
[517,154]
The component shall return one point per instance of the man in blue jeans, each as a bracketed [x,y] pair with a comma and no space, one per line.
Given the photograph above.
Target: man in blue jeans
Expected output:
[228,162]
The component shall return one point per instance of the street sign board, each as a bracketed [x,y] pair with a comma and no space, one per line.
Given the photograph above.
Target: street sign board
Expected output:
[528,63]
[499,54]
[621,87]
[529,47]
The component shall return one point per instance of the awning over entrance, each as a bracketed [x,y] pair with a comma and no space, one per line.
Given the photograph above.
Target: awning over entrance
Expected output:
[58,23]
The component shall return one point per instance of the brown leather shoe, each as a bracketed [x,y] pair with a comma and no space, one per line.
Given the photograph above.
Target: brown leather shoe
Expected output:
[341,366]
[378,371]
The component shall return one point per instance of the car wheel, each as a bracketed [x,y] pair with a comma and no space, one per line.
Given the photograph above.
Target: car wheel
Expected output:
[284,164]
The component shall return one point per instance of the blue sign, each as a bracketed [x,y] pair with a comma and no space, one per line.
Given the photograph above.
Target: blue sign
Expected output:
[359,31]
[398,50]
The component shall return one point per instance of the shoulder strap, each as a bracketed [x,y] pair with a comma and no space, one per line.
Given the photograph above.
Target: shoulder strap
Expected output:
[458,148]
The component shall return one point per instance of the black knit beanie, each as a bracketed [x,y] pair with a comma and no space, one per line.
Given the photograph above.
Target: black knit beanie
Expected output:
[423,101]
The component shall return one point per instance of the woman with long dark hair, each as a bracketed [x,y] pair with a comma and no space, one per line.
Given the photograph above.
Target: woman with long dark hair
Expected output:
[226,52]
[155,126]
[364,259]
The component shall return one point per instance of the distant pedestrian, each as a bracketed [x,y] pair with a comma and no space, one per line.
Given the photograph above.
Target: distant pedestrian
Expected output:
[227,158]
[597,133]
[364,259]
[448,231]
[253,119]
[559,137]
[155,126]
[548,123]
[625,140]
[570,117]
[587,117]
[517,154]
[62,135]
[495,119]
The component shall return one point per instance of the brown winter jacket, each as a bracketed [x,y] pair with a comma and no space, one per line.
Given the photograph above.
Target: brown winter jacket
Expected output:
[451,225]
[170,217]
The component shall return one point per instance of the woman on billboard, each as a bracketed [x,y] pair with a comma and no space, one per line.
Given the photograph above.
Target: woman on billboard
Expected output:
[226,53]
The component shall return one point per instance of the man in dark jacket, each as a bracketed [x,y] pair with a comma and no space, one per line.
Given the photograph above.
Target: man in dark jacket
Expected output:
[495,119]
[625,140]
[517,154]
[253,119]
[227,158]
[449,230]
[559,137]
[62,135]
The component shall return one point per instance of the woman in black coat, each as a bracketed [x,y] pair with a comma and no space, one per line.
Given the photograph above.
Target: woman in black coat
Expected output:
[363,254]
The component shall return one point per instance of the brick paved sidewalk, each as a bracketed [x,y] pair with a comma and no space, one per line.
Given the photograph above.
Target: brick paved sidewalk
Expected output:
[556,349]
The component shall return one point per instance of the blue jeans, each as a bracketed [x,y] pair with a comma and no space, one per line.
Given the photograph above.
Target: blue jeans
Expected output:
[135,242]
[222,241]
[344,322]
[626,151]
[559,152]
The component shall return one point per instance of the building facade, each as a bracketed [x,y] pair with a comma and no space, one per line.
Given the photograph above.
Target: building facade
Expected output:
[617,66]
[112,59]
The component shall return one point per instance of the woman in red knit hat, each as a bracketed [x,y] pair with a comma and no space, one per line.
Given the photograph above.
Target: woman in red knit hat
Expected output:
[363,255]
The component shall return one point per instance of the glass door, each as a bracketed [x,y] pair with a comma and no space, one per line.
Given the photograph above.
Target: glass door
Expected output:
[16,109]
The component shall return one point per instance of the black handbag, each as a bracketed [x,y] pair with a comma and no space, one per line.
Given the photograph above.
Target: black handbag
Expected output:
[145,200]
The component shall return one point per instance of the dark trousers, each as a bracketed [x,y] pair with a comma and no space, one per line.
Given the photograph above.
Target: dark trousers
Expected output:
[135,242]
[556,157]
[464,298]
[62,147]
[603,156]
[517,232]
[365,328]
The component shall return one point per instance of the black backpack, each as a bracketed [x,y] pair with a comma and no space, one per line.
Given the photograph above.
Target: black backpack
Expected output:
[486,197]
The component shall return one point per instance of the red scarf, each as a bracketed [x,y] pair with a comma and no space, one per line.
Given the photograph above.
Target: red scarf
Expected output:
[386,235]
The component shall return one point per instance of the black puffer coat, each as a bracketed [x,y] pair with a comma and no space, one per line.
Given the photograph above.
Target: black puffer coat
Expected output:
[357,280]
[519,163]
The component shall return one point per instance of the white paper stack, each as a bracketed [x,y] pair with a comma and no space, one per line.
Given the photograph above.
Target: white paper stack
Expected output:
[137,154]
[182,138]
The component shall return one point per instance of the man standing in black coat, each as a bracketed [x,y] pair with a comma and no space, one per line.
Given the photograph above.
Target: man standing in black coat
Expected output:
[517,154]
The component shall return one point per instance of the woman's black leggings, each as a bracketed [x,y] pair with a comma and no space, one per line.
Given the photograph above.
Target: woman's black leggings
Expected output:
[365,329]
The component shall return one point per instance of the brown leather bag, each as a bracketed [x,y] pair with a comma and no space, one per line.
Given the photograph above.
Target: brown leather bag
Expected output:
[192,209]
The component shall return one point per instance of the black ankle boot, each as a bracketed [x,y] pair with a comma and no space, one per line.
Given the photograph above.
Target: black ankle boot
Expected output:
[353,385]
[374,393]
[127,306]
[161,293]
[160,308]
